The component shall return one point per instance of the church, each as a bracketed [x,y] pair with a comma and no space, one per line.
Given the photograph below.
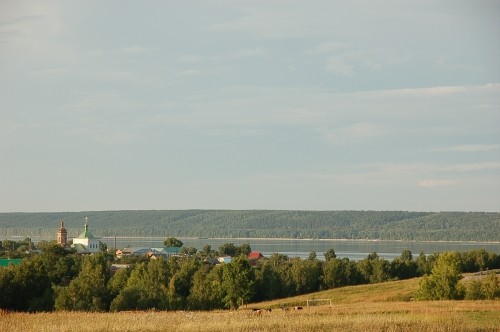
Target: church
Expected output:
[86,242]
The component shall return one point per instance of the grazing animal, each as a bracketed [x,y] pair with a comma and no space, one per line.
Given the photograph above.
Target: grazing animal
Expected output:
[297,308]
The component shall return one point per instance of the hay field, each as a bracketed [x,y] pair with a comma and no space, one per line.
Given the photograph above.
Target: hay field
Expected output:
[380,307]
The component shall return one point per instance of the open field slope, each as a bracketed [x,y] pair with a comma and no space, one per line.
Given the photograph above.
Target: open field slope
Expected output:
[377,307]
[386,225]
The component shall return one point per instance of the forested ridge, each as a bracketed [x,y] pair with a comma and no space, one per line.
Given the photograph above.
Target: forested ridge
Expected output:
[384,225]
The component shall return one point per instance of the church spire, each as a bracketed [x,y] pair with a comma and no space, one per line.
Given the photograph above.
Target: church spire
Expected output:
[62,236]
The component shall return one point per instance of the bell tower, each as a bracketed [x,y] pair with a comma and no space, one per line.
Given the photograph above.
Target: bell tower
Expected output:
[62,236]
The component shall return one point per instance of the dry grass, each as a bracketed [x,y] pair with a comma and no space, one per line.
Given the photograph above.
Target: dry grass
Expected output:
[360,308]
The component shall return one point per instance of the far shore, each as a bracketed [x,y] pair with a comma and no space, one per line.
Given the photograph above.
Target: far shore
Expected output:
[266,238]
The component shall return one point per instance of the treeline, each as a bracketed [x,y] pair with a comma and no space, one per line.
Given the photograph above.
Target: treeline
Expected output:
[59,279]
[385,225]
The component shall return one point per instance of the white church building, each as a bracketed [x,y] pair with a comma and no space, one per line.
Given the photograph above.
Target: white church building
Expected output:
[86,242]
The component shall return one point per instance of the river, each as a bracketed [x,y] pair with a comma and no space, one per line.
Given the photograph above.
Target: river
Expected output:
[352,249]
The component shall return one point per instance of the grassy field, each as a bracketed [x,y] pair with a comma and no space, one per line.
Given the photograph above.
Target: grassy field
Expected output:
[381,307]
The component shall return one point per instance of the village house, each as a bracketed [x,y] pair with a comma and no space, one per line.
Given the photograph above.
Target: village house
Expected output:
[152,253]
[227,259]
[254,257]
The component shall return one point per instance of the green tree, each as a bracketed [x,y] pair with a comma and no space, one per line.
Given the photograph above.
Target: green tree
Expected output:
[268,284]
[330,254]
[340,272]
[181,282]
[307,275]
[443,282]
[7,287]
[32,286]
[147,286]
[206,291]
[88,291]
[118,282]
[473,290]
[490,286]
[228,249]
[129,298]
[207,251]
[238,282]
[244,249]
[173,242]
[424,265]
[189,251]
[404,267]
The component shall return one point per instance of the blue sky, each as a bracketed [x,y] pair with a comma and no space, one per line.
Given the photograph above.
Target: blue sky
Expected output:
[314,105]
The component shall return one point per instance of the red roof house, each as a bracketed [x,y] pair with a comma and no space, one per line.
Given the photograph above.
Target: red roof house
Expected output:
[255,255]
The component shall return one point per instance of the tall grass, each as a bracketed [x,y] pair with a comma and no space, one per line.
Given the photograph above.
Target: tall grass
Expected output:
[380,307]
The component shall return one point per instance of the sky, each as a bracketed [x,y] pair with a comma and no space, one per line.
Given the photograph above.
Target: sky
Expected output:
[294,105]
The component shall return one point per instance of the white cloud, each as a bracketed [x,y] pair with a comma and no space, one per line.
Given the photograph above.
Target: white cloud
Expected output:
[346,61]
[469,148]
[339,66]
[472,167]
[137,50]
[50,72]
[355,132]
[430,183]
[31,29]
[102,134]
[132,50]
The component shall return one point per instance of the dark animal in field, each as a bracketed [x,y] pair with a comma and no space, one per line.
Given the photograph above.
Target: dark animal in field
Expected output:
[260,311]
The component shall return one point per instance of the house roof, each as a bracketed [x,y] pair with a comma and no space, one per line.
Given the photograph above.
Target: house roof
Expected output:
[227,259]
[171,250]
[255,255]
[8,261]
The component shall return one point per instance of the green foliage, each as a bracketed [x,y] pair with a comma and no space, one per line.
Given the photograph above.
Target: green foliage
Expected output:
[148,284]
[404,267]
[238,281]
[228,249]
[118,282]
[477,260]
[340,272]
[181,282]
[173,242]
[130,298]
[491,286]
[306,275]
[58,279]
[395,225]
[483,287]
[7,287]
[268,284]
[206,291]
[443,284]
[424,265]
[473,290]
[88,291]
[330,254]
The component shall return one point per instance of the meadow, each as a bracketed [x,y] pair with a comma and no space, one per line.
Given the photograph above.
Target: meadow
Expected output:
[379,307]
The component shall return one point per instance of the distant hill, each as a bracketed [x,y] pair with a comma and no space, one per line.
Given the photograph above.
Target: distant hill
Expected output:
[384,225]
